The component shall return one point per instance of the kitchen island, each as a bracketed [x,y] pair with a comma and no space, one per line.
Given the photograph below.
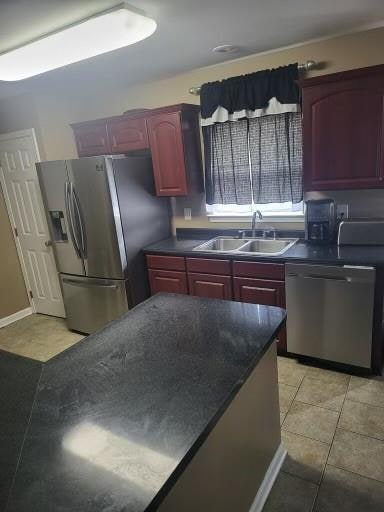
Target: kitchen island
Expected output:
[172,407]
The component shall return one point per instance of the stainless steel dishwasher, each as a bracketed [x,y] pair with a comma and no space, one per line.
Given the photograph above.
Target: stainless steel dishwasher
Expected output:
[330,312]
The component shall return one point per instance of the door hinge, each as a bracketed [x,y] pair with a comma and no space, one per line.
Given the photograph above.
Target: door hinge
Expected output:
[31,294]
[16,232]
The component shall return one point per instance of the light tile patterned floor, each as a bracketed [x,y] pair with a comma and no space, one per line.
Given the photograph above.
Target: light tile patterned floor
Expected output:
[333,430]
[38,337]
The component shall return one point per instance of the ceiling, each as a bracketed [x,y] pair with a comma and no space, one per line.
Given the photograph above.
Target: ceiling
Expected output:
[187,31]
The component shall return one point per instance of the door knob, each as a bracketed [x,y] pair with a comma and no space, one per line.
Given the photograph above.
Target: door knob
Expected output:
[48,243]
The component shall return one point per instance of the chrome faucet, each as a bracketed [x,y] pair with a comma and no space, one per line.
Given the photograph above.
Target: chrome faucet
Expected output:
[256,213]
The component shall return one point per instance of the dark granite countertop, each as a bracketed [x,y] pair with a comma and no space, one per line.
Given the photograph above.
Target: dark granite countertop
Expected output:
[19,377]
[117,417]
[300,252]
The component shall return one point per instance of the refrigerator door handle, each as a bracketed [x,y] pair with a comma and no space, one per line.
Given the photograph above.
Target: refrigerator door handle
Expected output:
[68,207]
[75,202]
[82,284]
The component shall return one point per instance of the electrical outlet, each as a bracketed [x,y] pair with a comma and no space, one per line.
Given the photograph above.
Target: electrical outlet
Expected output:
[187,213]
[342,211]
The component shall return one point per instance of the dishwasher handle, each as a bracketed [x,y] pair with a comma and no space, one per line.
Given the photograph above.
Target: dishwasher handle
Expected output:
[342,279]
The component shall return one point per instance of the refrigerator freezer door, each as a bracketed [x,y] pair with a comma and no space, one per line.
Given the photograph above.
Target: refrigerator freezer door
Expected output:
[54,184]
[145,218]
[97,217]
[92,303]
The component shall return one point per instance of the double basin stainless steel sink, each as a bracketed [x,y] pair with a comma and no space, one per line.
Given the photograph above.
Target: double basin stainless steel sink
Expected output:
[261,246]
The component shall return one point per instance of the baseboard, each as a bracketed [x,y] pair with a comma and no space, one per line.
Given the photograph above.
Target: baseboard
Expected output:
[269,479]
[16,316]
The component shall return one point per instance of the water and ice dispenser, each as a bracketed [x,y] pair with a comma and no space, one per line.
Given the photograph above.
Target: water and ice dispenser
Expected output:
[59,229]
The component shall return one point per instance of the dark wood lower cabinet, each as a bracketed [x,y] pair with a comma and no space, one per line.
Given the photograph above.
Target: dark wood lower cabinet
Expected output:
[259,291]
[211,286]
[266,292]
[169,281]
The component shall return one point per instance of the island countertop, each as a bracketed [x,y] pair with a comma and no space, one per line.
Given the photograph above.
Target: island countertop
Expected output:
[118,417]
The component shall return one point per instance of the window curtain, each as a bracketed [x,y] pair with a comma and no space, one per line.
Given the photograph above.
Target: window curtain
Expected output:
[252,137]
[275,150]
[227,174]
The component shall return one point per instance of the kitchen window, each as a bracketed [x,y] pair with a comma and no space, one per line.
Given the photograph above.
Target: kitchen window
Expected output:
[253,156]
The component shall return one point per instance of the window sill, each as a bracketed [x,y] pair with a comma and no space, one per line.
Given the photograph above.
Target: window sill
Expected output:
[267,217]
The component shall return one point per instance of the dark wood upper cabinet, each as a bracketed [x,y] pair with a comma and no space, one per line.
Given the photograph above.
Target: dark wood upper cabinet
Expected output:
[168,154]
[127,134]
[92,138]
[176,153]
[343,130]
[172,134]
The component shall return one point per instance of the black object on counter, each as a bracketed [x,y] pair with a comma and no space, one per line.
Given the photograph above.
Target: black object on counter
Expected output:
[320,221]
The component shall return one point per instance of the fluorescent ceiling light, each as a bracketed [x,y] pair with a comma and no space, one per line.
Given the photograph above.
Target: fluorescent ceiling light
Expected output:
[102,33]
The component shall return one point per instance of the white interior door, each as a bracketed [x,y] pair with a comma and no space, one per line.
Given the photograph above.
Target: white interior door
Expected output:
[18,155]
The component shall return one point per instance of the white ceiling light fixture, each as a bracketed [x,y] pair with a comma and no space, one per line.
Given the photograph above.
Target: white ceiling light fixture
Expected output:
[102,33]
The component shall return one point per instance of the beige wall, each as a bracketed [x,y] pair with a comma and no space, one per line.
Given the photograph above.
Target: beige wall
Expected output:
[20,113]
[13,295]
[55,108]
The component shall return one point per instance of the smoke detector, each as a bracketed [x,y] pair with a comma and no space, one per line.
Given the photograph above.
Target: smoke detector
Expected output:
[226,48]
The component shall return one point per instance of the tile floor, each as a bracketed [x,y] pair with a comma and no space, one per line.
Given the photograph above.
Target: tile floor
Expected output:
[38,337]
[333,430]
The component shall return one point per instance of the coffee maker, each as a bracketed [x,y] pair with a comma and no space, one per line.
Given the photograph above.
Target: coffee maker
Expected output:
[320,221]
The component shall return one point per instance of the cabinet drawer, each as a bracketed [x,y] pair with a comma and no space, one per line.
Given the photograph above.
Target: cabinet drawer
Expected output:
[166,262]
[211,286]
[127,134]
[168,281]
[259,291]
[256,269]
[209,266]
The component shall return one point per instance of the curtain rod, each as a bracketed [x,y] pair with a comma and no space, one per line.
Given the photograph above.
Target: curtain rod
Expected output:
[306,66]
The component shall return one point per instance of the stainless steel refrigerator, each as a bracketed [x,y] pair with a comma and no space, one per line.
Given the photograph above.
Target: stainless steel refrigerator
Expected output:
[101,212]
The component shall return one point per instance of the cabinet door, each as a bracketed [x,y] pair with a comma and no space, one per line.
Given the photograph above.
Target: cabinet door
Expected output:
[343,138]
[211,286]
[168,281]
[268,293]
[259,291]
[166,143]
[92,138]
[127,134]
